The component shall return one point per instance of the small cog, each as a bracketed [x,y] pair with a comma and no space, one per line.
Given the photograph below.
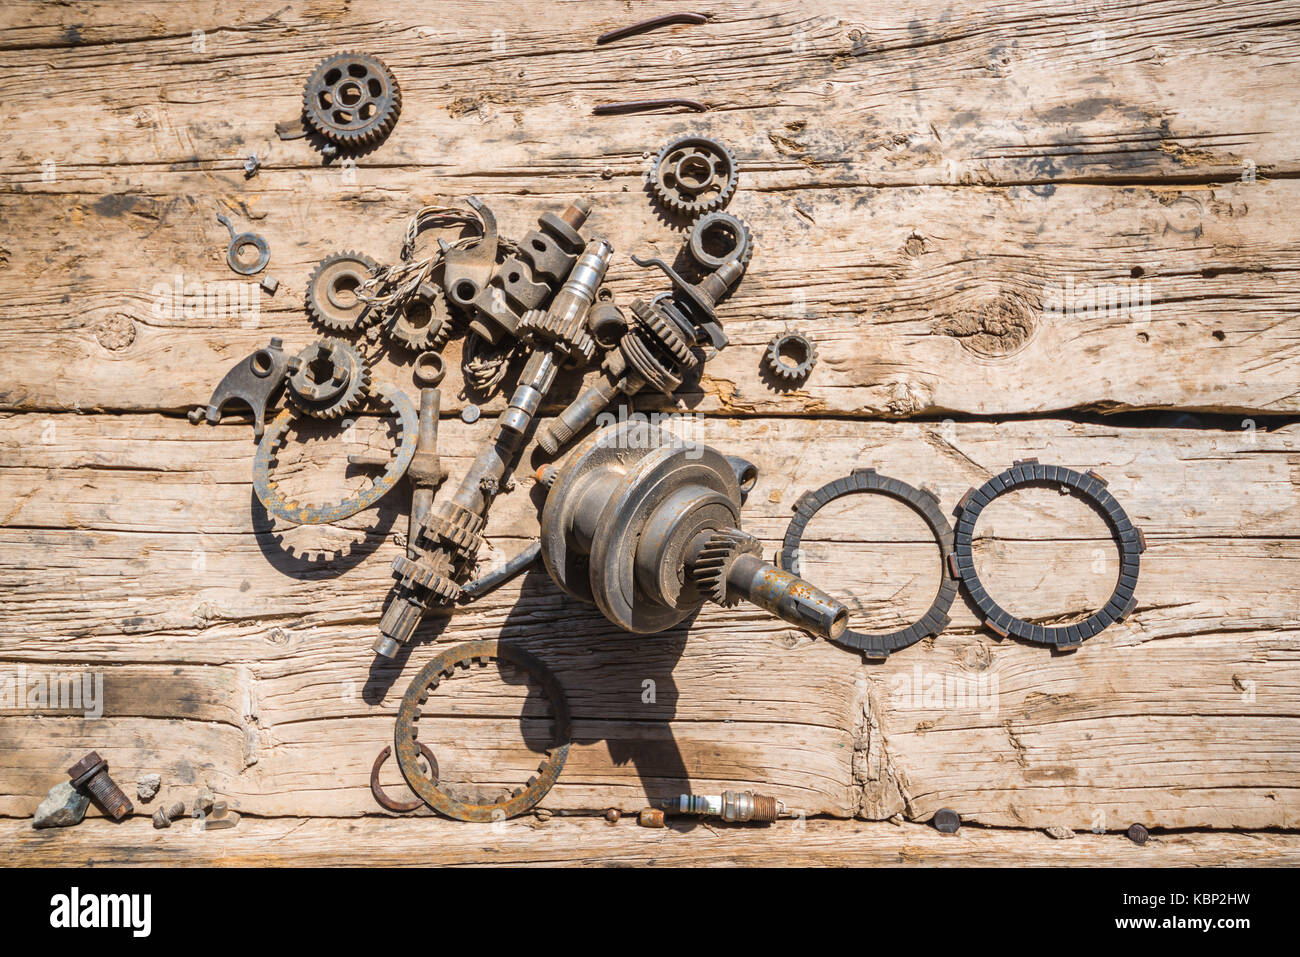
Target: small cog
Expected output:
[715,559]
[693,175]
[789,346]
[332,301]
[328,379]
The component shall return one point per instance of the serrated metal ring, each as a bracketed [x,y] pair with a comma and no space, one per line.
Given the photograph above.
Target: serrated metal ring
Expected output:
[925,504]
[407,745]
[296,513]
[1088,486]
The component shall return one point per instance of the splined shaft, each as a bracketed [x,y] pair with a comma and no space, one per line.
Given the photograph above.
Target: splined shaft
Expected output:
[451,537]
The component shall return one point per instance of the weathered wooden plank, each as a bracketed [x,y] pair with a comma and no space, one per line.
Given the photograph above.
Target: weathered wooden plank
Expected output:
[910,312]
[913,311]
[926,91]
[377,842]
[1044,740]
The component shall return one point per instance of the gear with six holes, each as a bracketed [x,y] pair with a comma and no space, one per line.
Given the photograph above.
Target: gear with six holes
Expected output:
[784,370]
[352,100]
[693,175]
[715,559]
[433,792]
[1089,486]
[926,504]
[332,301]
[328,379]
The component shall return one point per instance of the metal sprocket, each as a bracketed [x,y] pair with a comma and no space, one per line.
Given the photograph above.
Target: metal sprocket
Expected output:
[352,100]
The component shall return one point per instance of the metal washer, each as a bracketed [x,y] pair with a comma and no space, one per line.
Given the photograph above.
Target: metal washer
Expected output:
[922,501]
[1088,486]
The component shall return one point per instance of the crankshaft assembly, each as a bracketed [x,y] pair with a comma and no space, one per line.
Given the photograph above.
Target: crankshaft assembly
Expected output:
[647,527]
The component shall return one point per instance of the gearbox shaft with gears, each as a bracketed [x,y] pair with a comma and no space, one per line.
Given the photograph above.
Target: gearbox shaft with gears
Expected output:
[645,526]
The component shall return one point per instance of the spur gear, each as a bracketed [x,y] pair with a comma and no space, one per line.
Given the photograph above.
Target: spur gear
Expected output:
[693,175]
[713,563]
[787,347]
[720,231]
[352,100]
[332,300]
[422,323]
[328,379]
[660,327]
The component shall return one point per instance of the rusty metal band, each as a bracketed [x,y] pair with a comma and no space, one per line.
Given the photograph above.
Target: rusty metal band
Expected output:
[408,747]
[924,503]
[1088,486]
[400,807]
[299,514]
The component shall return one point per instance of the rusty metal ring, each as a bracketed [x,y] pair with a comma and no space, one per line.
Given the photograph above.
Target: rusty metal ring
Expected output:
[921,501]
[298,514]
[400,807]
[408,748]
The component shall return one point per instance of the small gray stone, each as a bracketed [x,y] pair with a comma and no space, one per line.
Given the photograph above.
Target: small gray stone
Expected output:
[64,806]
[1059,833]
[147,786]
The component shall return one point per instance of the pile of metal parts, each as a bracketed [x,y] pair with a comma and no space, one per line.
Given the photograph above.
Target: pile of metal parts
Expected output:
[642,525]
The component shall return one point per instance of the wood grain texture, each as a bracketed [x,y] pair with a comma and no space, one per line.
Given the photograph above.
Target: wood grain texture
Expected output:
[524,842]
[928,183]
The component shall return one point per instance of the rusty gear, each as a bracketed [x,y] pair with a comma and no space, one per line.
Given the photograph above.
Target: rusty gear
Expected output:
[352,100]
[715,559]
[422,323]
[693,175]
[328,379]
[782,369]
[432,791]
[665,329]
[332,301]
[732,228]
[296,513]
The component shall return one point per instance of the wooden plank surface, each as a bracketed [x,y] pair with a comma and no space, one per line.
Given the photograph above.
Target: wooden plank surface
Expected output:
[522,842]
[928,184]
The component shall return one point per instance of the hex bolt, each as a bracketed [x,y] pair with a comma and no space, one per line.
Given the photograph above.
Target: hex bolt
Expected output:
[1138,834]
[164,816]
[946,821]
[91,773]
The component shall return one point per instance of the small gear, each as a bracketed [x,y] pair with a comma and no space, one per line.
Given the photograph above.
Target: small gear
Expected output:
[352,100]
[791,345]
[422,323]
[715,560]
[665,330]
[328,379]
[723,229]
[442,590]
[332,300]
[693,175]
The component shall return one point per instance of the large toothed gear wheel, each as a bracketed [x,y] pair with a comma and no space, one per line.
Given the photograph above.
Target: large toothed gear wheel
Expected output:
[477,807]
[715,560]
[791,346]
[332,301]
[328,379]
[693,175]
[278,505]
[352,100]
